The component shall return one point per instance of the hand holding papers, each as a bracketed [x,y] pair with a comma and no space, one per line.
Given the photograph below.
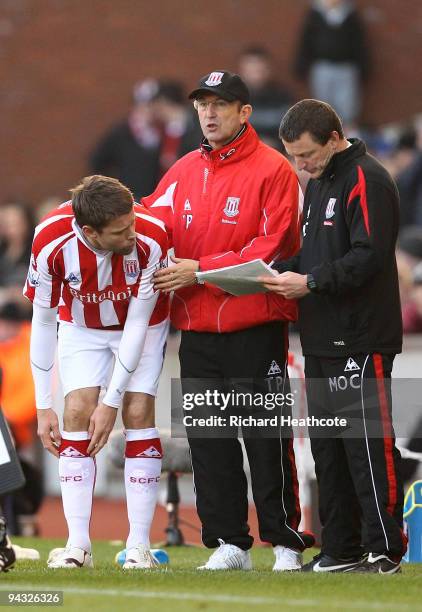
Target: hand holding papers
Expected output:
[240,279]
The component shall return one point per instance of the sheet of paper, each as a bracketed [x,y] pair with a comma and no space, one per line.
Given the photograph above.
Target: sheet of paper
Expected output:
[240,279]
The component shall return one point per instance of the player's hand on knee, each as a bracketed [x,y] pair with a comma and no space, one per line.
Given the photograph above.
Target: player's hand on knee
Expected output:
[48,430]
[100,426]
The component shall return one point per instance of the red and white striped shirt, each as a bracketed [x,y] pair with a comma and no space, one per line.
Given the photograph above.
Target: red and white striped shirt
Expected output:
[92,288]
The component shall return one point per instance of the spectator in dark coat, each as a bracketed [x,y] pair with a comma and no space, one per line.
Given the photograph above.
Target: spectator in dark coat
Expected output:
[130,149]
[332,55]
[269,98]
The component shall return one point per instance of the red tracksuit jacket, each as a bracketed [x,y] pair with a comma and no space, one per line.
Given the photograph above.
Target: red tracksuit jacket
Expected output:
[224,208]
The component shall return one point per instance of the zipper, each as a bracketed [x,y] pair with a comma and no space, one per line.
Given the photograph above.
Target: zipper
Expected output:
[204,185]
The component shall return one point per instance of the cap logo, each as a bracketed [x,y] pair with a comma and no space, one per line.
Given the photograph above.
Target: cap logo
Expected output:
[214,79]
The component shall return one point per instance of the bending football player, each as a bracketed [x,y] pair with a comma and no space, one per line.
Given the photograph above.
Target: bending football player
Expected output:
[92,263]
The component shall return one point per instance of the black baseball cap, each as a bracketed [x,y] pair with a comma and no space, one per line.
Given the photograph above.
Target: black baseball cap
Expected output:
[224,84]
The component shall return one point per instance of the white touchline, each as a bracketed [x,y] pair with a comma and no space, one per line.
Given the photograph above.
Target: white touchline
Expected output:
[252,600]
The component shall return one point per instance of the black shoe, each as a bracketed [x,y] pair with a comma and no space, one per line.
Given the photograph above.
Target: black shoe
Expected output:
[378,563]
[308,538]
[325,563]
[7,554]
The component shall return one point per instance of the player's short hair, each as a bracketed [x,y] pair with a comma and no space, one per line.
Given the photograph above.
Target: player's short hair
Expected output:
[97,200]
[313,116]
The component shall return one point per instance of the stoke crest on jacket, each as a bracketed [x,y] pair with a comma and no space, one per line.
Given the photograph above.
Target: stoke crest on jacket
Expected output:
[232,207]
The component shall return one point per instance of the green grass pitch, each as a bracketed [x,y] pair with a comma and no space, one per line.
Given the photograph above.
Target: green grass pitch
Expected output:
[181,588]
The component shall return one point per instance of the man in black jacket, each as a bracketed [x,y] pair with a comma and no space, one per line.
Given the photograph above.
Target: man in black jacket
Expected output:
[345,279]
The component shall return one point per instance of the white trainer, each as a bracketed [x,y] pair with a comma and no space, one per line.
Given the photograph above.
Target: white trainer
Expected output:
[26,553]
[286,559]
[69,558]
[140,558]
[228,557]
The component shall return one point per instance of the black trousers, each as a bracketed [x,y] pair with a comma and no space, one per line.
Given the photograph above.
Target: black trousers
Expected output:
[257,353]
[357,468]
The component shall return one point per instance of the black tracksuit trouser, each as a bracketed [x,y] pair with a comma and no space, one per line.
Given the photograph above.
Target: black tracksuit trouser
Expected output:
[359,483]
[219,477]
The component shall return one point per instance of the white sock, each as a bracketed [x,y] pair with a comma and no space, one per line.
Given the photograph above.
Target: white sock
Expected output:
[77,478]
[142,479]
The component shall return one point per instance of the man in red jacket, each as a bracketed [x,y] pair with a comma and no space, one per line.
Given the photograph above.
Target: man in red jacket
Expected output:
[233,200]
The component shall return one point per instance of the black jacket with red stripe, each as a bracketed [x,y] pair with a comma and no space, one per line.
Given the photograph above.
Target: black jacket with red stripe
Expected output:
[350,225]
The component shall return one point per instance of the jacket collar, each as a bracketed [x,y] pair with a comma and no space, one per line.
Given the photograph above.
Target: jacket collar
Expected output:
[243,144]
[342,159]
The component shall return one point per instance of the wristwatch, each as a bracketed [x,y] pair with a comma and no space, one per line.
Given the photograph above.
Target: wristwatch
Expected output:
[311,283]
[198,281]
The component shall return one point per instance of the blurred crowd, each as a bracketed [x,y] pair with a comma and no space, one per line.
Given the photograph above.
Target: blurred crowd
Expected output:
[332,59]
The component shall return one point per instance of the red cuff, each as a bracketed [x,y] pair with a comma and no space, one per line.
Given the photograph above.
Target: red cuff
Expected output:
[144,449]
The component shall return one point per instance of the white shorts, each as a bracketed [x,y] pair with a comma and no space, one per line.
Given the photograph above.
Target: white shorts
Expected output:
[86,357]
